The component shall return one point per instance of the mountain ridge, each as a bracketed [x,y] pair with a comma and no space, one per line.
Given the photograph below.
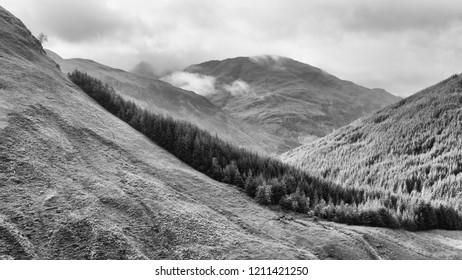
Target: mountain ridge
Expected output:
[161,97]
[299,101]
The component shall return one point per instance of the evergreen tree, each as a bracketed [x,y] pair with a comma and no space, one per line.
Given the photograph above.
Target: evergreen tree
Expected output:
[238,180]
[251,184]
[263,194]
[217,171]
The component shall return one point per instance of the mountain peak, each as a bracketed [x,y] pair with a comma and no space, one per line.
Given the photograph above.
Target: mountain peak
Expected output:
[289,98]
[267,58]
[144,69]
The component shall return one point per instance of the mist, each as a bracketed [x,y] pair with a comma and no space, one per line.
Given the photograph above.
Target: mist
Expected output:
[238,88]
[200,84]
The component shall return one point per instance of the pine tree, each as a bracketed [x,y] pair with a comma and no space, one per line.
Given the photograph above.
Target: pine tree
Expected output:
[263,194]
[238,180]
[217,171]
[251,184]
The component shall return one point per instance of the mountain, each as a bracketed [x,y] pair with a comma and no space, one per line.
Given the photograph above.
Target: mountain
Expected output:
[412,147]
[288,98]
[144,69]
[78,183]
[161,97]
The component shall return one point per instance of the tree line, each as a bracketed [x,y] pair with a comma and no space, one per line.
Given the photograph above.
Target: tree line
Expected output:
[267,180]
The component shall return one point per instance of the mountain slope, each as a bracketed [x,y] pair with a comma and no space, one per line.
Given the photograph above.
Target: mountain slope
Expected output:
[78,183]
[413,147]
[161,97]
[288,98]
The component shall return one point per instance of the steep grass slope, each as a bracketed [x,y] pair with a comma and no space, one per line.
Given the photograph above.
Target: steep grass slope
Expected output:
[288,98]
[77,183]
[161,97]
[411,148]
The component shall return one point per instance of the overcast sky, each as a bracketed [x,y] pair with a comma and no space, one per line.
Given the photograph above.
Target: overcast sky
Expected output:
[399,45]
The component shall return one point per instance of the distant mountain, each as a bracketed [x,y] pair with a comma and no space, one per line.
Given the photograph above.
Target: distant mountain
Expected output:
[161,97]
[288,98]
[412,147]
[144,69]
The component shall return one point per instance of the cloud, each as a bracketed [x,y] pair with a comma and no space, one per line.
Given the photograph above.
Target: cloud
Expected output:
[238,88]
[200,84]
[204,84]
[265,59]
[82,20]
[273,61]
[394,16]
[380,43]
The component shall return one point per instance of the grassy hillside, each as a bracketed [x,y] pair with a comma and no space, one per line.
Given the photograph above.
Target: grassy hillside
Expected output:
[160,97]
[412,149]
[78,183]
[288,98]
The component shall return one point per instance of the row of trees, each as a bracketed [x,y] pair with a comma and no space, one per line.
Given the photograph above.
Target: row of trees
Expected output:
[267,180]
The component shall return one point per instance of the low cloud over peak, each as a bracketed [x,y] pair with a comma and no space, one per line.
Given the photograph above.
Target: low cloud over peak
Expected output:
[265,58]
[273,61]
[200,84]
[204,84]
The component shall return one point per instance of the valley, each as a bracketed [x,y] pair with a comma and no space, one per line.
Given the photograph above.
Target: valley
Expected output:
[163,98]
[77,182]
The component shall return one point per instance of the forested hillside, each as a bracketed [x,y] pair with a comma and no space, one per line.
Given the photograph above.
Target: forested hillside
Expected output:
[411,150]
[268,180]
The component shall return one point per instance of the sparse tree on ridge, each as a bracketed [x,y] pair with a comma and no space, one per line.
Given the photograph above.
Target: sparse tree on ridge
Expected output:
[42,38]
